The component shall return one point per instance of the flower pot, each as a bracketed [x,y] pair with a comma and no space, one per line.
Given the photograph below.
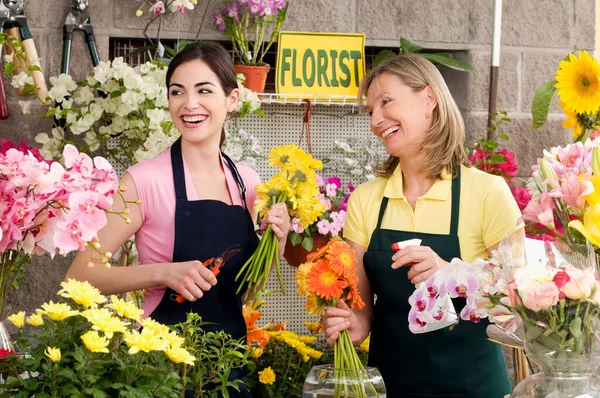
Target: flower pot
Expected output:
[296,255]
[325,381]
[256,76]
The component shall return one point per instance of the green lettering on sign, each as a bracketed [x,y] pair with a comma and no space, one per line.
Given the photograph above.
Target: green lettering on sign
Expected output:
[322,68]
[285,65]
[356,56]
[296,82]
[345,82]
[309,81]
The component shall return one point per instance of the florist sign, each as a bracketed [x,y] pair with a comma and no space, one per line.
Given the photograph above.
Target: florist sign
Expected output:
[320,63]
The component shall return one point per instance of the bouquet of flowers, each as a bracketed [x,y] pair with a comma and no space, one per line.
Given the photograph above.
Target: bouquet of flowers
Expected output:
[577,85]
[331,222]
[329,275]
[246,23]
[356,158]
[90,347]
[296,186]
[556,297]
[49,207]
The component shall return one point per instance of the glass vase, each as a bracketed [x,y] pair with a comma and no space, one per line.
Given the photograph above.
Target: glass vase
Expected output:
[324,381]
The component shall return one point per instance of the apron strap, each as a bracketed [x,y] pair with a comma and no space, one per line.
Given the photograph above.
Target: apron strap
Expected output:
[178,173]
[238,178]
[455,206]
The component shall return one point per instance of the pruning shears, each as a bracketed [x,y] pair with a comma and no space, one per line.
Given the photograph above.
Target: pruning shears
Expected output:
[78,18]
[214,264]
[17,19]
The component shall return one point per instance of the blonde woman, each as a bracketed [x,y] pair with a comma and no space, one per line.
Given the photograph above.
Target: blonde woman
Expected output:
[426,190]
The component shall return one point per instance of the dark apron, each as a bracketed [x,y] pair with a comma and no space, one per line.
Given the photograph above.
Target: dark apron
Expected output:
[203,229]
[458,363]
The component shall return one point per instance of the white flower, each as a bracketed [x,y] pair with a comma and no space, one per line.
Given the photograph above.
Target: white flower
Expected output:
[83,96]
[64,80]
[131,80]
[101,72]
[42,138]
[156,116]
[25,107]
[58,93]
[67,103]
[8,58]
[19,81]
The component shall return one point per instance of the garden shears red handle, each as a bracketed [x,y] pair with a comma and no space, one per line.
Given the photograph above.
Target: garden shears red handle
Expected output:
[214,264]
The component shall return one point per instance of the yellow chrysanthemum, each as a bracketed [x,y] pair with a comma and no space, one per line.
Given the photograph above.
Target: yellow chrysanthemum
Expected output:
[174,340]
[82,293]
[145,341]
[156,327]
[18,319]
[307,339]
[280,155]
[314,327]
[125,308]
[57,311]
[578,83]
[102,319]
[180,355]
[35,319]
[266,376]
[94,342]
[364,346]
[572,122]
[53,353]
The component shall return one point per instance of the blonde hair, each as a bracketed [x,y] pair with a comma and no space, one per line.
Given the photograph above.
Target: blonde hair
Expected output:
[444,143]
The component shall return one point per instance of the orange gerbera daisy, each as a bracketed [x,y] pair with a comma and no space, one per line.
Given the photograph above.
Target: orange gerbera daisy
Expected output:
[314,256]
[300,277]
[342,259]
[353,298]
[313,304]
[325,282]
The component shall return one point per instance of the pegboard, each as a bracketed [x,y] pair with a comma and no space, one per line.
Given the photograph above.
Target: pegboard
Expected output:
[283,125]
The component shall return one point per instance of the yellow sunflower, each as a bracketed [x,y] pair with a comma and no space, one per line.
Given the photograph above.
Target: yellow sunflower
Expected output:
[280,155]
[578,83]
[572,121]
[324,282]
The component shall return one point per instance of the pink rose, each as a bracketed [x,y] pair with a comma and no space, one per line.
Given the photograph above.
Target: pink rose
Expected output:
[560,279]
[542,296]
[580,285]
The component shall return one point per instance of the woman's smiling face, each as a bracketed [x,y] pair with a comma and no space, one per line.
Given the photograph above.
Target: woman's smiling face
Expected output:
[197,103]
[399,114]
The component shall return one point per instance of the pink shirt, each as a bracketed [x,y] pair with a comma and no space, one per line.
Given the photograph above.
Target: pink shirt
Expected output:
[156,238]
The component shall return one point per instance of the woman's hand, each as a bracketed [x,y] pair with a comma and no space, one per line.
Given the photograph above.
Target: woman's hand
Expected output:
[423,262]
[189,278]
[279,220]
[339,318]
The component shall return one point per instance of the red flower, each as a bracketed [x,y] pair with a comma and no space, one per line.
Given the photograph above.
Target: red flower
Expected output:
[522,196]
[560,279]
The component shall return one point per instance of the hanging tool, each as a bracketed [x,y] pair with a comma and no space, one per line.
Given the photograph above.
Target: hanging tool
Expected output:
[18,19]
[78,18]
[306,125]
[214,264]
[4,14]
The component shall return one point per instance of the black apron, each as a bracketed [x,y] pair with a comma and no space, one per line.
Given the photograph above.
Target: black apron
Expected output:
[458,363]
[203,229]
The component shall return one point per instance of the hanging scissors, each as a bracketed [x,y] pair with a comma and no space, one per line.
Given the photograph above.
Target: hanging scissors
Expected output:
[214,264]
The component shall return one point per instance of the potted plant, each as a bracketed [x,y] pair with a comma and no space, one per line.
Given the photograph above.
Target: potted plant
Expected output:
[245,23]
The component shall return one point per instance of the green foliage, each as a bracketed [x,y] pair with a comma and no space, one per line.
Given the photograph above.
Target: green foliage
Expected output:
[407,46]
[217,355]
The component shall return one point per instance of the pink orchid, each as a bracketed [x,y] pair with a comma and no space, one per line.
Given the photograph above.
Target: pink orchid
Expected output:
[158,8]
[421,301]
[462,284]
[73,232]
[417,321]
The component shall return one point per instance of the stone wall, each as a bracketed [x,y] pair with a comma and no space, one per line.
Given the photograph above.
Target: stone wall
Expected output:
[536,34]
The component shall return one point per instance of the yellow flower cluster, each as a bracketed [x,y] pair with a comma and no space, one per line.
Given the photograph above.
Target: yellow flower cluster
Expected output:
[364,346]
[154,336]
[295,184]
[299,343]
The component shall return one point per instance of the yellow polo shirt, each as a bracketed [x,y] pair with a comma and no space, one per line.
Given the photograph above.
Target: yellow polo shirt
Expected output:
[487,212]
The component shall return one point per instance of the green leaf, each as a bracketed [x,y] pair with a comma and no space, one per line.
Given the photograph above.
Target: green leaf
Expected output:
[9,67]
[382,56]
[504,137]
[115,94]
[34,67]
[541,103]
[496,159]
[307,243]
[450,62]
[295,238]
[407,46]
[575,327]
[28,89]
